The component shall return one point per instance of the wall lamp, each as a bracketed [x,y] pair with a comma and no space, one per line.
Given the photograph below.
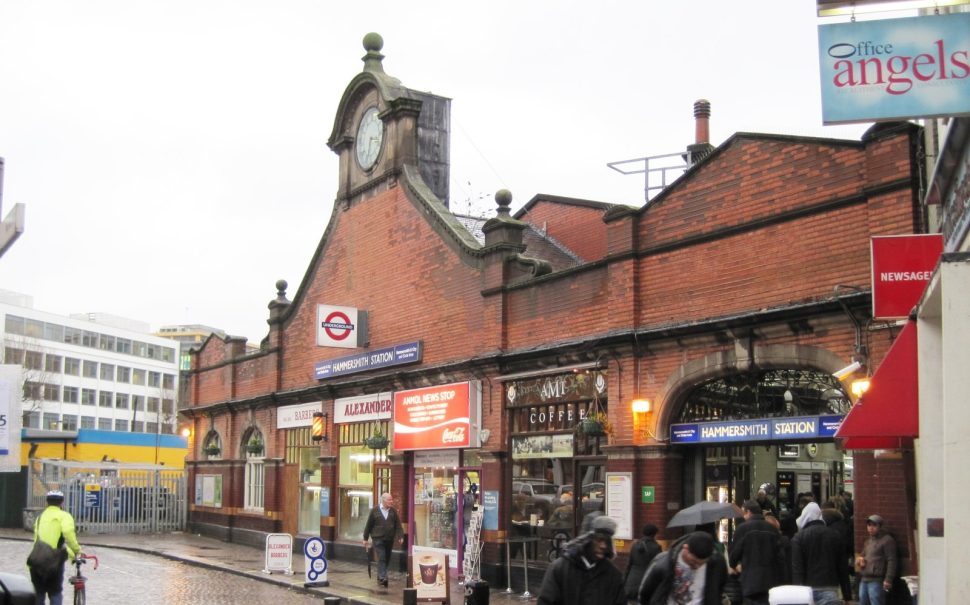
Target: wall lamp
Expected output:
[641,406]
[858,387]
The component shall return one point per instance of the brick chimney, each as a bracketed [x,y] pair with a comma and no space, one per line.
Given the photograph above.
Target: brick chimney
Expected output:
[702,132]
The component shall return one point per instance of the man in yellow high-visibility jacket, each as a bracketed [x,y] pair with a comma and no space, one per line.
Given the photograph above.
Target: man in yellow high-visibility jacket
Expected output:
[54,527]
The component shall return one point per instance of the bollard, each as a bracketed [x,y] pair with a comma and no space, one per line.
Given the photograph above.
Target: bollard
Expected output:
[331,600]
[476,593]
[410,596]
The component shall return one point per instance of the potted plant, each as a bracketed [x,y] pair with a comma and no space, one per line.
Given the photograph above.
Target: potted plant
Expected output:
[212,449]
[377,441]
[254,445]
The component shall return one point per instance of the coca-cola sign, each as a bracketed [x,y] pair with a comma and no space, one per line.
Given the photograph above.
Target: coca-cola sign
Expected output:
[437,417]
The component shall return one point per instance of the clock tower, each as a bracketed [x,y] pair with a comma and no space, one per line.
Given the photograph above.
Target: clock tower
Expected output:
[382,129]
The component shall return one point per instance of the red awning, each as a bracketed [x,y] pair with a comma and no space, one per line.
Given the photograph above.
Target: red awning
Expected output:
[887,415]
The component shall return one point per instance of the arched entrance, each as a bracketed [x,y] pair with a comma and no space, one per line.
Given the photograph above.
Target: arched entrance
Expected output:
[761,421]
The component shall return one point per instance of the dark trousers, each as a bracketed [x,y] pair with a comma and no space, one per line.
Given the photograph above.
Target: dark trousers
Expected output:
[50,586]
[382,547]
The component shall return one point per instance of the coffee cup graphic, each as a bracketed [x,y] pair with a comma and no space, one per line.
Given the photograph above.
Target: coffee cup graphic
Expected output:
[429,569]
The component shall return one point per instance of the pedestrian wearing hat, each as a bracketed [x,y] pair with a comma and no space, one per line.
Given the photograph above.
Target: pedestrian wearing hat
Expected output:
[877,563]
[53,528]
[584,574]
[692,571]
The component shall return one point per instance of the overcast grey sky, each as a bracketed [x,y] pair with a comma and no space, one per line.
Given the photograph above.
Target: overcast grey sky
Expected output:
[172,154]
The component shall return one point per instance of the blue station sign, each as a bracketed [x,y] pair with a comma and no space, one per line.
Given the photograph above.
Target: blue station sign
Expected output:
[401,354]
[802,428]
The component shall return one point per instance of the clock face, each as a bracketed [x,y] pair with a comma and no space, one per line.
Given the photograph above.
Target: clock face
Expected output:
[370,135]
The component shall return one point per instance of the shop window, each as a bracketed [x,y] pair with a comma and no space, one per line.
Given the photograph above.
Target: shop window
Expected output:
[558,470]
[436,494]
[304,452]
[356,490]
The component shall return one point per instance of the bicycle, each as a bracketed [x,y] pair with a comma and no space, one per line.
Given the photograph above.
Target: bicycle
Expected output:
[78,580]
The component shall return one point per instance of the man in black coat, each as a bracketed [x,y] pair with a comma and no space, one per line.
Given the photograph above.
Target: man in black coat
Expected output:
[641,555]
[584,574]
[757,548]
[817,559]
[383,528]
[692,569]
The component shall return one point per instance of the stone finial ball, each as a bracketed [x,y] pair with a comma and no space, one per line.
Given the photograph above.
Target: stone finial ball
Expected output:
[373,41]
[503,197]
[281,285]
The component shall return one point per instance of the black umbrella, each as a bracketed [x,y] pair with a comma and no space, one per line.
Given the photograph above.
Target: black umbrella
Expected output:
[705,512]
[370,557]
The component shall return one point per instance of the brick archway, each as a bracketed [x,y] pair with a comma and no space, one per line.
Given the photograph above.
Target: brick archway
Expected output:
[722,363]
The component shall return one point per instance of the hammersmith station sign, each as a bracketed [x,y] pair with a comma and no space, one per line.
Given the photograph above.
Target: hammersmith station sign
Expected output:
[764,429]
[401,354]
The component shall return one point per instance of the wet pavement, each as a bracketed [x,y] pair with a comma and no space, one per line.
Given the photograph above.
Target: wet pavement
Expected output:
[347,580]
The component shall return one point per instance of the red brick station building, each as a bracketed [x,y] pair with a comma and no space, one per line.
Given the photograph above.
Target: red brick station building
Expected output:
[707,327]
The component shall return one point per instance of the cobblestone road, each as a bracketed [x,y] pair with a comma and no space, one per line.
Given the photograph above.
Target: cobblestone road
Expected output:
[126,578]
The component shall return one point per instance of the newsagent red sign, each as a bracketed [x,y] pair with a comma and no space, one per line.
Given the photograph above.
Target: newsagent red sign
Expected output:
[437,417]
[901,267]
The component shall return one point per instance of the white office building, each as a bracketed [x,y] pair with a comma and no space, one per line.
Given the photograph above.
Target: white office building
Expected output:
[79,373]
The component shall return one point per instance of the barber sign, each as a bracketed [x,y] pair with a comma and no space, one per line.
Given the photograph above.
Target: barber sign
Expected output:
[343,327]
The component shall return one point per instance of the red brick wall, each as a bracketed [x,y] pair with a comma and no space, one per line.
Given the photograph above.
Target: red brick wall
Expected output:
[579,228]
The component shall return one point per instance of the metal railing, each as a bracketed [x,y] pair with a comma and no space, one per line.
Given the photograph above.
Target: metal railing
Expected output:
[666,168]
[110,497]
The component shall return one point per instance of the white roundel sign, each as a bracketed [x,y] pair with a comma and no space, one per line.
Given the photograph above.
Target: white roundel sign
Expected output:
[337,327]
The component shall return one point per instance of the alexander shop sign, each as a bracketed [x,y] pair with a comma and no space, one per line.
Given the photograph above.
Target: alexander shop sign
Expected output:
[438,417]
[377,406]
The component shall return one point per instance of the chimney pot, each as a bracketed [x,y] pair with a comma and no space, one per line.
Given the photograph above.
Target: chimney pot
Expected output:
[702,116]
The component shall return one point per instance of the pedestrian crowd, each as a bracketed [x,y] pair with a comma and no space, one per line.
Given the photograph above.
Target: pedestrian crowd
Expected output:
[814,548]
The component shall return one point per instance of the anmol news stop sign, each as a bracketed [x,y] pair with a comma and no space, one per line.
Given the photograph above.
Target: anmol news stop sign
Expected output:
[436,417]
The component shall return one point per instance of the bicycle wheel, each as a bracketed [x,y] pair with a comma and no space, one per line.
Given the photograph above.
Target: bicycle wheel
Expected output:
[79,598]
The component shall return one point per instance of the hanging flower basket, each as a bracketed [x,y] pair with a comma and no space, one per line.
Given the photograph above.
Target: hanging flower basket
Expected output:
[254,447]
[595,423]
[377,441]
[211,450]
[593,427]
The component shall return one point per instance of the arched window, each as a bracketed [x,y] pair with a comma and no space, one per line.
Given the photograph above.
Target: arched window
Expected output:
[212,445]
[254,449]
